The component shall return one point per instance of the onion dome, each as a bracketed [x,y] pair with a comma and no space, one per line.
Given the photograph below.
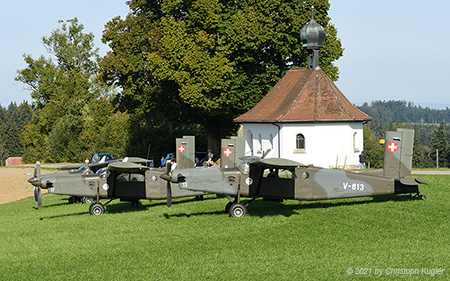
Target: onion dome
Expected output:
[312,34]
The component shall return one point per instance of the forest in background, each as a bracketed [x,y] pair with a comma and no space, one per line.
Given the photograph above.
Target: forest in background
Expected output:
[13,120]
[429,137]
[432,131]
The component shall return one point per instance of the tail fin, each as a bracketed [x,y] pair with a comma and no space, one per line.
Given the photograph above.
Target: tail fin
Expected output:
[185,156]
[398,152]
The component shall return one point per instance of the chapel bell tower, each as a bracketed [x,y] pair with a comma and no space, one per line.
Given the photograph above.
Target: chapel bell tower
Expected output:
[312,36]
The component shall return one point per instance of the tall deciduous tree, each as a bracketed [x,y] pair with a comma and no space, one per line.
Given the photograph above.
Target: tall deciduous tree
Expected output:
[65,94]
[208,61]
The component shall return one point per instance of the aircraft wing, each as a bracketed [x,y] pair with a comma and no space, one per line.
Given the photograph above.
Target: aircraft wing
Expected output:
[279,163]
[137,160]
[70,167]
[100,165]
[127,167]
[94,167]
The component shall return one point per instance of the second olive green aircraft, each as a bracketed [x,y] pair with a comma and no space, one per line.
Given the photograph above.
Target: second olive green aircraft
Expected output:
[280,179]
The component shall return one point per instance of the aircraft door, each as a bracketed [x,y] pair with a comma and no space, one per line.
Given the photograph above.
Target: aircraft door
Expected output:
[304,182]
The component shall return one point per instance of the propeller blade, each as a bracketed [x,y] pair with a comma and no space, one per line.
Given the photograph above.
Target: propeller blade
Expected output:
[35,193]
[39,195]
[169,187]
[37,170]
[169,195]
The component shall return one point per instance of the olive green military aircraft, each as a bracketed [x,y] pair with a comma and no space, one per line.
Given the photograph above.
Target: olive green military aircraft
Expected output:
[127,180]
[279,179]
[124,180]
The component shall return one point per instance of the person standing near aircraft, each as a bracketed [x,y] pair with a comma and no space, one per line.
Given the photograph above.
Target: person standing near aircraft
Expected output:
[210,162]
[362,160]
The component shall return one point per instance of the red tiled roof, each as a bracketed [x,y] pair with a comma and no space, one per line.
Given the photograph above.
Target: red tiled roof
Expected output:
[304,95]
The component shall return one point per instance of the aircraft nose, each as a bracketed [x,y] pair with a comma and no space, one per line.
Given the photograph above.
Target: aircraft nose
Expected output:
[35,182]
[40,183]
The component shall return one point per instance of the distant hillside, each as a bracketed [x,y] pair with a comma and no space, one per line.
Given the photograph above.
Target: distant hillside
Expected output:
[404,112]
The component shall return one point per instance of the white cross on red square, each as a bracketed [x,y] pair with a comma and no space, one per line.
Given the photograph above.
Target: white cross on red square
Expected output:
[227,152]
[392,147]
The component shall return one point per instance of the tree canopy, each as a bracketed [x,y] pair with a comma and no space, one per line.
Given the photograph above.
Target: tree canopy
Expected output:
[66,98]
[208,61]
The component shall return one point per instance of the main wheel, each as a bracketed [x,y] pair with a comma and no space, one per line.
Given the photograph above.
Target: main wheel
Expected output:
[237,210]
[96,209]
[73,199]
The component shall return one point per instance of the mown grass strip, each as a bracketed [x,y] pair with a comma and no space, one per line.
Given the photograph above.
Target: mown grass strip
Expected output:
[196,240]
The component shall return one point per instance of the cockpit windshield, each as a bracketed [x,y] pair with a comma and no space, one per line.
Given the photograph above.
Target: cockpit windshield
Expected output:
[244,167]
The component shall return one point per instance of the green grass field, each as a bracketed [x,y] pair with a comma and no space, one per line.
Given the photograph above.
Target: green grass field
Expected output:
[196,240]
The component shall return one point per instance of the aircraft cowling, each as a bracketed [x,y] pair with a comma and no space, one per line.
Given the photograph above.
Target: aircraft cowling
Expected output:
[40,183]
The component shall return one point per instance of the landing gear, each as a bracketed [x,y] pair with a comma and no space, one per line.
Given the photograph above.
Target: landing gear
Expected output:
[96,209]
[237,210]
[420,196]
[86,200]
[134,204]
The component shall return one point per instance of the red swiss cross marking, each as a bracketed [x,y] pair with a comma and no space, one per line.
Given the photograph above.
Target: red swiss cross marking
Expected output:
[181,148]
[227,152]
[392,147]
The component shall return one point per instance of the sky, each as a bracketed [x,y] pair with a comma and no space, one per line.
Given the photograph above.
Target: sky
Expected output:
[394,50]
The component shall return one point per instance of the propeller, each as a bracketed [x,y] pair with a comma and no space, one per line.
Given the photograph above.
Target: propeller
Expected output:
[36,182]
[169,188]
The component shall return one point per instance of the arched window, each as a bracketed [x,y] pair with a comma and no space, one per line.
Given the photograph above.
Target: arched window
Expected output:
[249,143]
[300,141]
[271,141]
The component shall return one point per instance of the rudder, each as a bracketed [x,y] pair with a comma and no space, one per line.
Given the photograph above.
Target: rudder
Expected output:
[398,152]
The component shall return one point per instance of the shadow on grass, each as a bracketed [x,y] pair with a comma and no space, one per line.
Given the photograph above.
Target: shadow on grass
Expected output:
[261,208]
[120,207]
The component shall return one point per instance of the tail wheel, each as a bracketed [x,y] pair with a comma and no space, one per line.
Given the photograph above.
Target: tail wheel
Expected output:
[96,209]
[237,210]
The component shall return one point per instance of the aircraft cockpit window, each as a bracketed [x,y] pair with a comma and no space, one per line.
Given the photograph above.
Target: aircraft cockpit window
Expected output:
[103,173]
[279,173]
[271,173]
[244,167]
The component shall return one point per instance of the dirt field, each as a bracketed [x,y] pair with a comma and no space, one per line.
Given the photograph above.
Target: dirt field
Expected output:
[14,183]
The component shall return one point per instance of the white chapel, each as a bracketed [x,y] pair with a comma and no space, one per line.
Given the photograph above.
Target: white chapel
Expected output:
[305,117]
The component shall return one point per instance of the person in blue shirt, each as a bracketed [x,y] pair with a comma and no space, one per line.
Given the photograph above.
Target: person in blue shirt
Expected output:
[210,162]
